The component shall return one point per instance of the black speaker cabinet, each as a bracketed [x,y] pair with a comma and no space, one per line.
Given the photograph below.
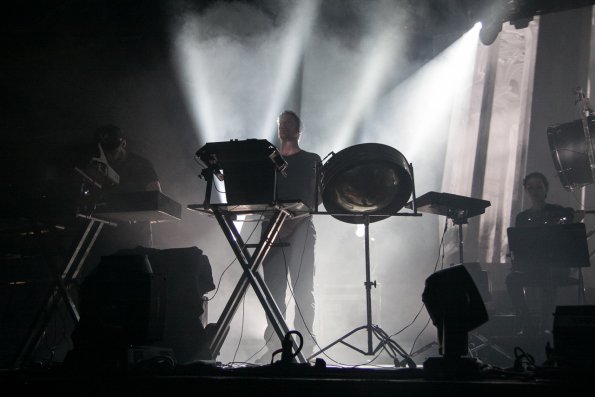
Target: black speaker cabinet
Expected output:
[574,336]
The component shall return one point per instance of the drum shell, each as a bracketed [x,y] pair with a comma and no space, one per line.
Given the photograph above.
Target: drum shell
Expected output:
[570,152]
[377,176]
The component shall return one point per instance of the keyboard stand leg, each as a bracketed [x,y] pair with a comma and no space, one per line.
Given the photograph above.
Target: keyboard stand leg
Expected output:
[59,290]
[250,277]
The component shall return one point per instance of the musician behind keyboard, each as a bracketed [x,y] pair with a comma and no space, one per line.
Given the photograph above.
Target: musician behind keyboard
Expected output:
[539,214]
[134,173]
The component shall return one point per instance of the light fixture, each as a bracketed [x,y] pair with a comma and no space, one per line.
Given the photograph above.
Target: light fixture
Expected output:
[455,307]
[489,31]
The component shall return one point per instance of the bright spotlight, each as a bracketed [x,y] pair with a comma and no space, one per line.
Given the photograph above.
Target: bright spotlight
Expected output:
[492,21]
[489,32]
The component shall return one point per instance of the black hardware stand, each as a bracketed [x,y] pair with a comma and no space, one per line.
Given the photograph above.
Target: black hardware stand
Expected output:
[554,246]
[250,262]
[62,280]
[459,209]
[59,290]
[459,218]
[373,330]
[385,342]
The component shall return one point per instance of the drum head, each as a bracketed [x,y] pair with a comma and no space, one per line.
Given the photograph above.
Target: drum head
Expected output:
[570,152]
[368,178]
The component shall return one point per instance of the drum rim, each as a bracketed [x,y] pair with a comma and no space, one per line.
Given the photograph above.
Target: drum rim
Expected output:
[553,132]
[398,164]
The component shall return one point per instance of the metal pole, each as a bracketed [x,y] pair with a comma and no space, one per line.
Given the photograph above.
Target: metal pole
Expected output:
[368,284]
[461,243]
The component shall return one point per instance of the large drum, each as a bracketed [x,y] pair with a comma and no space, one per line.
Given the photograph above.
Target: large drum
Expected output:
[366,179]
[570,153]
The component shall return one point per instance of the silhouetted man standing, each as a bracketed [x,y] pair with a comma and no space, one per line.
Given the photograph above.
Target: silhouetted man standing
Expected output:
[294,263]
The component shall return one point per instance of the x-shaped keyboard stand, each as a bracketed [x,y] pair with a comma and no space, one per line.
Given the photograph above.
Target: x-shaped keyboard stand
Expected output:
[250,263]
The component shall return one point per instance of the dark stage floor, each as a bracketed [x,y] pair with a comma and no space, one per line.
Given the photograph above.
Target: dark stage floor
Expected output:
[296,380]
[504,362]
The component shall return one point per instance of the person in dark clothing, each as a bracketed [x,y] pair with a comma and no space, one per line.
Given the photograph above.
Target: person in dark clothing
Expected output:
[294,262]
[134,173]
[93,171]
[539,214]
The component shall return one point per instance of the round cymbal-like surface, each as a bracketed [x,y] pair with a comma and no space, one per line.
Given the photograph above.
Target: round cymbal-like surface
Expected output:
[366,179]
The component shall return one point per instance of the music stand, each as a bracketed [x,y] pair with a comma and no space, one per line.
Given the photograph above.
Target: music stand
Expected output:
[550,246]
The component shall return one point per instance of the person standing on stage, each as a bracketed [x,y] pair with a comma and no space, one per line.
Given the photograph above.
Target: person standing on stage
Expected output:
[539,214]
[292,261]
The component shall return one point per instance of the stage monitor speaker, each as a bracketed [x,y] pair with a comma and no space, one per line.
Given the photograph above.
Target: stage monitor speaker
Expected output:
[574,336]
[123,302]
[188,277]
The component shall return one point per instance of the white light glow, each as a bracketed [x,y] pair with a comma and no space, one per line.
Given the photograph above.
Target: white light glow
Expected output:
[372,78]
[236,82]
[237,78]
[420,107]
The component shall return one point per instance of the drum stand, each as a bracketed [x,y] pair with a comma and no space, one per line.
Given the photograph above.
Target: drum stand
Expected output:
[390,346]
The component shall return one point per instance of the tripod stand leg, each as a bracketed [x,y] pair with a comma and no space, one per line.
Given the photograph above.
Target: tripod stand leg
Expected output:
[392,348]
[58,290]
[342,341]
[424,348]
[250,277]
[485,342]
[386,342]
